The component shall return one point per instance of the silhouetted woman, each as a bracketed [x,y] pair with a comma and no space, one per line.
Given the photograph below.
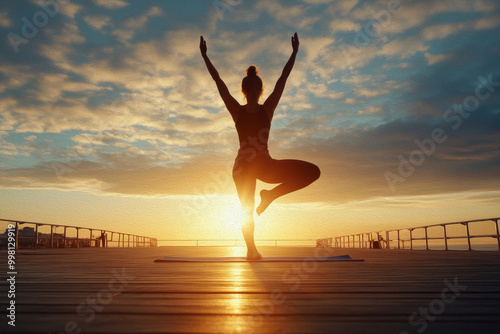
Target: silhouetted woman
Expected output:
[253,122]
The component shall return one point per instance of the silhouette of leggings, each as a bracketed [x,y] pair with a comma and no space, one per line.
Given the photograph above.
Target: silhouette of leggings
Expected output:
[291,174]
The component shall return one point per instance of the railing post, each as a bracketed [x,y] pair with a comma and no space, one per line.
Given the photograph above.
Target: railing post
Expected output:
[36,236]
[51,236]
[64,242]
[90,238]
[468,235]
[411,239]
[498,234]
[77,238]
[426,240]
[388,240]
[445,238]
[399,241]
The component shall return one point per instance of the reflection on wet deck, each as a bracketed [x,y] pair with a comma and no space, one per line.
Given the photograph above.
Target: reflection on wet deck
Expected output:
[124,291]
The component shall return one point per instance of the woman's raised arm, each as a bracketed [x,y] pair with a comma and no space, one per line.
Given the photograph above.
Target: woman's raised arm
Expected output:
[231,104]
[273,99]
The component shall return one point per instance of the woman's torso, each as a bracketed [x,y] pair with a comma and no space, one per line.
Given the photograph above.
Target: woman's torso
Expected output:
[253,130]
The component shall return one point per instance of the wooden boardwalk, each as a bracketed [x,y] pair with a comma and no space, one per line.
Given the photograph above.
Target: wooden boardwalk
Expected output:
[123,291]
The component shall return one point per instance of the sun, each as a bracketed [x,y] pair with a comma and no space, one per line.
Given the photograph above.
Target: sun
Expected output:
[233,214]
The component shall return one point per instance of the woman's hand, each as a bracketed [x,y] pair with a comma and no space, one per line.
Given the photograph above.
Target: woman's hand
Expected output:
[295,43]
[203,46]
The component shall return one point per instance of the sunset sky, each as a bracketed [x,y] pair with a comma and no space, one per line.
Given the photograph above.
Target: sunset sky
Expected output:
[109,118]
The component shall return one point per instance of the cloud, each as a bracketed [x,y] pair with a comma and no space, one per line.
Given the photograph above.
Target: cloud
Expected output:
[436,58]
[341,8]
[403,47]
[322,90]
[344,25]
[5,20]
[111,4]
[143,116]
[371,110]
[353,162]
[411,15]
[97,22]
[70,9]
[441,31]
[130,26]
[363,92]
[286,13]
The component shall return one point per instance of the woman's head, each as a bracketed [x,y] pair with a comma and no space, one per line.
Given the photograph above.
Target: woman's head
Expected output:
[251,85]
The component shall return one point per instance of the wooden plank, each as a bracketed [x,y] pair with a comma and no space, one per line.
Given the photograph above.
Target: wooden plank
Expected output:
[375,296]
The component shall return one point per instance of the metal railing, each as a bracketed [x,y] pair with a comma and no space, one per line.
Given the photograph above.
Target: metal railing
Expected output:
[235,242]
[32,238]
[377,240]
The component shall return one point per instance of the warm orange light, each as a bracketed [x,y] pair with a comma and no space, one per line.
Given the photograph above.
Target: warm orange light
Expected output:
[233,214]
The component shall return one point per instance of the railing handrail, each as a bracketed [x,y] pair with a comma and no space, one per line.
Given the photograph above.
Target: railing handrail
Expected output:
[137,240]
[341,241]
[72,226]
[434,225]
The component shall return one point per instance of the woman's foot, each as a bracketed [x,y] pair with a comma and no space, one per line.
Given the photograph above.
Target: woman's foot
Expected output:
[265,199]
[253,255]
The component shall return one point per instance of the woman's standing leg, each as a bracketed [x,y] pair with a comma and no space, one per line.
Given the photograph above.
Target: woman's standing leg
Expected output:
[291,174]
[245,183]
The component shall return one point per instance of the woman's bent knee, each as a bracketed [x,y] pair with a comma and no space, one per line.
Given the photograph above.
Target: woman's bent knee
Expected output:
[315,172]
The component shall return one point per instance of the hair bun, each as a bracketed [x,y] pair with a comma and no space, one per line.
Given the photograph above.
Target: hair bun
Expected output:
[252,71]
